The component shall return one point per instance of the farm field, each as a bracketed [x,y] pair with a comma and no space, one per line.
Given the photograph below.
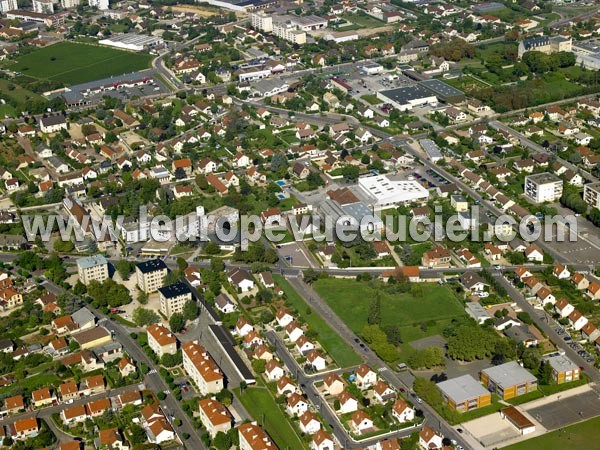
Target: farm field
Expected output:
[73,63]
[418,314]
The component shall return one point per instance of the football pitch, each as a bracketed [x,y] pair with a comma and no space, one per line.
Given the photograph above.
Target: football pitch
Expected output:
[73,63]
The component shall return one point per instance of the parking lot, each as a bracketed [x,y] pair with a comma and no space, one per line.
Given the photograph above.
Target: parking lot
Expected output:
[573,344]
[295,253]
[561,410]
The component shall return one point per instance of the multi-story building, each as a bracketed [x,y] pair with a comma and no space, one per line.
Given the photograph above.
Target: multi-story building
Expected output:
[173,297]
[43,6]
[545,44]
[591,194]
[508,380]
[214,416]
[92,268]
[68,4]
[563,369]
[8,5]
[100,4]
[253,437]
[201,368]
[464,393]
[284,27]
[543,187]
[151,275]
[161,340]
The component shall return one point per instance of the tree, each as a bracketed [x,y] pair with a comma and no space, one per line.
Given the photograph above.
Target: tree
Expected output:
[545,373]
[212,248]
[279,162]
[374,317]
[469,342]
[350,173]
[171,360]
[310,276]
[142,316]
[79,289]
[531,358]
[137,435]
[222,441]
[176,322]
[426,358]
[524,317]
[190,310]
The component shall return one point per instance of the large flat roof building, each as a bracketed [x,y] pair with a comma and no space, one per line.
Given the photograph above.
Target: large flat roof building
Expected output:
[508,380]
[385,193]
[132,41]
[464,393]
[406,98]
[443,91]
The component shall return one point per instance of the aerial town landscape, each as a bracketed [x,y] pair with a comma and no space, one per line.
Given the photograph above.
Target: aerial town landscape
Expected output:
[303,225]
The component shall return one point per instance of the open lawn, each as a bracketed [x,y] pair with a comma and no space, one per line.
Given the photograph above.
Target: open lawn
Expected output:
[363,20]
[580,435]
[32,383]
[73,63]
[339,350]
[424,312]
[21,96]
[261,405]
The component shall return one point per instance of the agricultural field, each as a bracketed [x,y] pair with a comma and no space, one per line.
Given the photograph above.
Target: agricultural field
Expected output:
[73,63]
[418,314]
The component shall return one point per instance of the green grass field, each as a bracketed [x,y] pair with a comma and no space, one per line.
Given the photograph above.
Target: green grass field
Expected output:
[73,63]
[581,435]
[331,341]
[435,306]
[261,405]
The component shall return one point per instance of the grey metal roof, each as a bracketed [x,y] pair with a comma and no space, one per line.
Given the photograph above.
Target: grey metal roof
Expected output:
[404,95]
[83,316]
[462,389]
[91,261]
[509,374]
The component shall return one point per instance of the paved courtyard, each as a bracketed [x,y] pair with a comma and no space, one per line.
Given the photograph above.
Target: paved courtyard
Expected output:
[561,410]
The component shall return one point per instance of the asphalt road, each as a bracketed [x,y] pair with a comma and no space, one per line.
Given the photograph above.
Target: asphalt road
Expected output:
[307,385]
[153,380]
[541,321]
[45,413]
[398,381]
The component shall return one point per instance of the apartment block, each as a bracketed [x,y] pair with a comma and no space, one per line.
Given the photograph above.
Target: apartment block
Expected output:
[591,194]
[173,297]
[543,187]
[92,268]
[563,369]
[201,368]
[151,275]
[161,340]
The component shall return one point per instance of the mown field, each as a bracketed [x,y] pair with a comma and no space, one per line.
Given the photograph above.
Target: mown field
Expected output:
[73,63]
[418,315]
[581,435]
